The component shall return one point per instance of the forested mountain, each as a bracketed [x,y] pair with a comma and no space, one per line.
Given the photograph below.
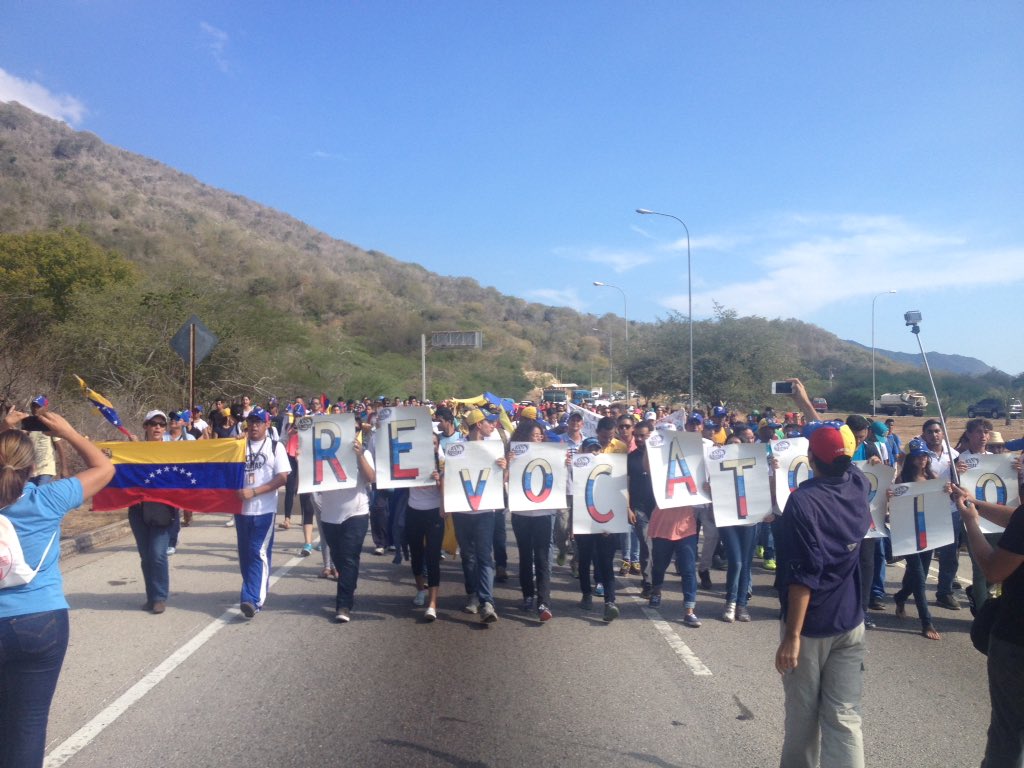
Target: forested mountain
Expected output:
[105,253]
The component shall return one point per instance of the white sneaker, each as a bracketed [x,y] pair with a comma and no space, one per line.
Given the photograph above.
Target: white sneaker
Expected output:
[421,598]
[171,550]
[230,523]
[473,605]
[378,550]
[487,614]
[431,614]
[729,614]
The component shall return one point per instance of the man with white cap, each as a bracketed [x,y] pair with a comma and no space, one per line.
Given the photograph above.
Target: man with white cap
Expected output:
[266,470]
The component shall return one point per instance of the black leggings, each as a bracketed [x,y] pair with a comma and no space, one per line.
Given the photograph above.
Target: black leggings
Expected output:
[424,530]
[290,488]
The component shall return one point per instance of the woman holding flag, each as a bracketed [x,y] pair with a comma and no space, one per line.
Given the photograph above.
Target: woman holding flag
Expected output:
[33,611]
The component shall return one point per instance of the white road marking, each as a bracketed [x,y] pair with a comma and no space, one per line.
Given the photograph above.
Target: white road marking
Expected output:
[682,650]
[84,735]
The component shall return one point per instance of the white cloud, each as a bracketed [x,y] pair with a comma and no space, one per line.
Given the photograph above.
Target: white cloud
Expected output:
[566,297]
[812,262]
[619,261]
[38,98]
[321,154]
[216,43]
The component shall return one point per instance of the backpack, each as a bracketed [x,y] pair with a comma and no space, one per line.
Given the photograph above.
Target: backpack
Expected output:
[14,571]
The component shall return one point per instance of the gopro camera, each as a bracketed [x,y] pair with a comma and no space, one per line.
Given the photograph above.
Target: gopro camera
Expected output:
[913,317]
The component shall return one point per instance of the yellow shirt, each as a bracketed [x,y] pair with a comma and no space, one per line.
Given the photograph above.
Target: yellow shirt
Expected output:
[615,446]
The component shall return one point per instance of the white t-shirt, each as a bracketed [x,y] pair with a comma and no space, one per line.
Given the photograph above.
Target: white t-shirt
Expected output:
[339,505]
[263,462]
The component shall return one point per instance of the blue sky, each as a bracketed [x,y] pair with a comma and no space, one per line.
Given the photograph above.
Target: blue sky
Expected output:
[820,153]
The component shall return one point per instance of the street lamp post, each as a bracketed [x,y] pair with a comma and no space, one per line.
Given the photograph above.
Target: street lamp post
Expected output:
[611,384]
[625,317]
[874,396]
[689,286]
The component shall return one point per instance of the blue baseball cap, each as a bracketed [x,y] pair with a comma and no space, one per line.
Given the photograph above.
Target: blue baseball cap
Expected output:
[258,414]
[917,447]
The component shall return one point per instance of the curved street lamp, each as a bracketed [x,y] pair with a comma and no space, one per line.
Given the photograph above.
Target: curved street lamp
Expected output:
[874,396]
[689,286]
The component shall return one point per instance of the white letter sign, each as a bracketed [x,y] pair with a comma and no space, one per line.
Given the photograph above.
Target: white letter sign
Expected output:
[536,477]
[919,517]
[404,445]
[599,490]
[677,468]
[473,482]
[326,459]
[739,484]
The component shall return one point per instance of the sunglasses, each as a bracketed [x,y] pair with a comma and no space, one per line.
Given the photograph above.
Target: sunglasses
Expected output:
[155,424]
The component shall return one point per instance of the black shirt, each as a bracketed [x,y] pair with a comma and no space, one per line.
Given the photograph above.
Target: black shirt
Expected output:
[1009,623]
[641,495]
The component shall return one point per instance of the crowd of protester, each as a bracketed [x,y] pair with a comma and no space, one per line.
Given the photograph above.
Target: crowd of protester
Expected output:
[412,526]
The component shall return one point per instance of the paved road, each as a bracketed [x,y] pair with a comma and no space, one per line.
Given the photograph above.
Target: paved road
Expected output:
[201,686]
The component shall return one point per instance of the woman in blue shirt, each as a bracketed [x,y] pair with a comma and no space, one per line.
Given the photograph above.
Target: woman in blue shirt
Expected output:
[34,615]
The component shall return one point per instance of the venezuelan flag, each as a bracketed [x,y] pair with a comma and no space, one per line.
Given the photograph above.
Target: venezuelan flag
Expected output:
[103,406]
[196,475]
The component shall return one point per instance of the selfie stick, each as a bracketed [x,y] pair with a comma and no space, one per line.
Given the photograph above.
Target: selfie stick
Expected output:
[913,319]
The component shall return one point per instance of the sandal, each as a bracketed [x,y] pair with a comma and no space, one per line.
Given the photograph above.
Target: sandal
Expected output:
[284,526]
[931,633]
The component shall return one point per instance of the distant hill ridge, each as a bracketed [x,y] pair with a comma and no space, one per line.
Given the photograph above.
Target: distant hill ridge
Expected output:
[958,364]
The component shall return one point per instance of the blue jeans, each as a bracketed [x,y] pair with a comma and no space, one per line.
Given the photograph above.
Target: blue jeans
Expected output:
[475,534]
[152,542]
[766,539]
[255,536]
[949,559]
[913,584]
[346,544]
[738,541]
[685,552]
[174,529]
[878,582]
[500,539]
[32,648]
[643,519]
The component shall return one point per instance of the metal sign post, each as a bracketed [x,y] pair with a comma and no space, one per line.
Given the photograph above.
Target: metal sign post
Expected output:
[447,340]
[193,342]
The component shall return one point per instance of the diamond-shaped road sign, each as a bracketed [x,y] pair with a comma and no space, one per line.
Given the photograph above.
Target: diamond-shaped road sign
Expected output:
[205,340]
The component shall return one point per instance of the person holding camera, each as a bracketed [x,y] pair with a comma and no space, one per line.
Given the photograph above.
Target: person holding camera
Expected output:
[50,462]
[33,611]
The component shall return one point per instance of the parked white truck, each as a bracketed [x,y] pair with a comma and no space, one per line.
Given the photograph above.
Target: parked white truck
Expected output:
[904,403]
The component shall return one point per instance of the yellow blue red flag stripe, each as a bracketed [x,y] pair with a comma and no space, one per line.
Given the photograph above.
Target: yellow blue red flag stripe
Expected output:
[197,475]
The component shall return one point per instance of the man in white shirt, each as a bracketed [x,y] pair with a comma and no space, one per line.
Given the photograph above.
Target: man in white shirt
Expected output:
[266,470]
[976,436]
